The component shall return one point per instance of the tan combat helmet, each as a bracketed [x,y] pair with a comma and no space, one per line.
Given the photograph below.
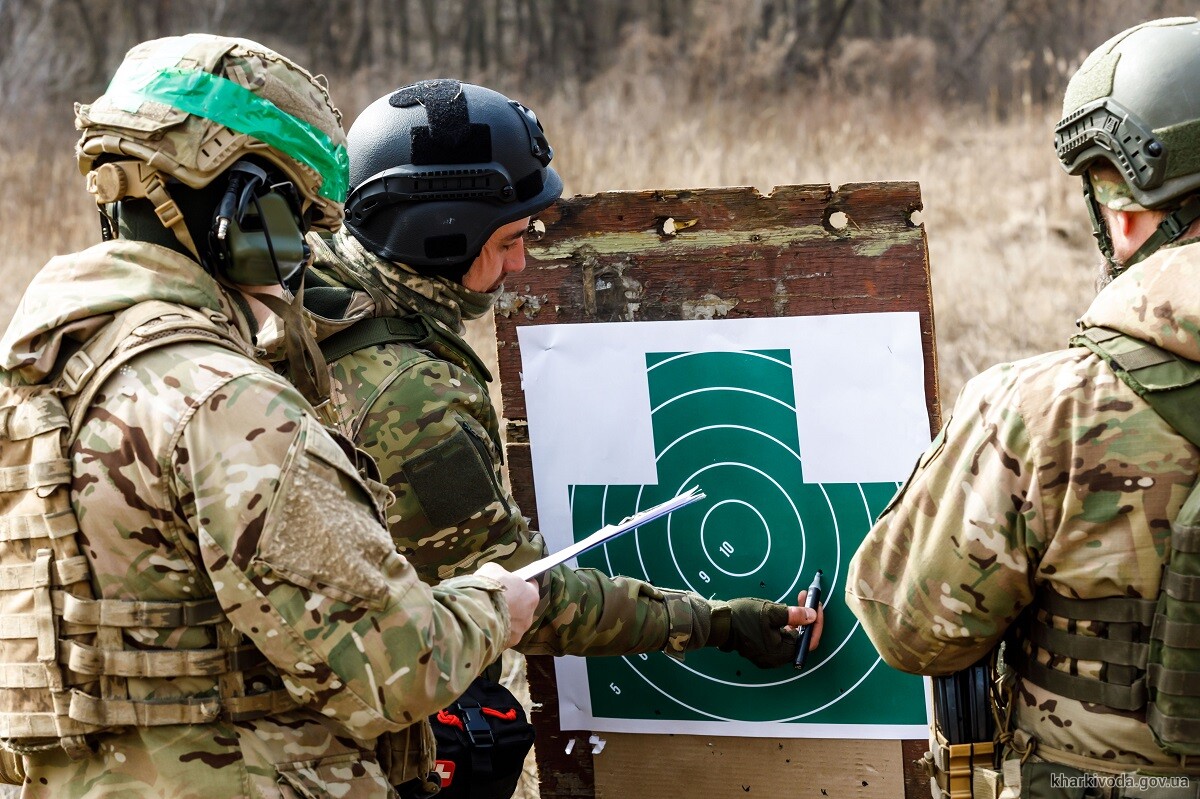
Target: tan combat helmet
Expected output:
[188,107]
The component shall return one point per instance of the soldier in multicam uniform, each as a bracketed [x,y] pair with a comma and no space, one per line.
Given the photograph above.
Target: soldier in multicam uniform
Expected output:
[1042,513]
[206,489]
[444,179]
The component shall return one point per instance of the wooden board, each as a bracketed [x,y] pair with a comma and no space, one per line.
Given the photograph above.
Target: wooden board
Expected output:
[712,254]
[748,767]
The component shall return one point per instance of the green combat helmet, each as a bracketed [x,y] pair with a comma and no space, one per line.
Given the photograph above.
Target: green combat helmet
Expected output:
[1135,102]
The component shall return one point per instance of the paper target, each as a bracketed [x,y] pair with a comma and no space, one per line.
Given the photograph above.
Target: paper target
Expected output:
[726,421]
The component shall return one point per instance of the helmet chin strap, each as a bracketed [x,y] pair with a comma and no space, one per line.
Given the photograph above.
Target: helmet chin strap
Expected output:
[307,369]
[1100,229]
[306,366]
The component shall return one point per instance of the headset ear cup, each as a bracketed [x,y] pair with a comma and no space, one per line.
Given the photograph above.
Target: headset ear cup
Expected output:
[264,246]
[256,236]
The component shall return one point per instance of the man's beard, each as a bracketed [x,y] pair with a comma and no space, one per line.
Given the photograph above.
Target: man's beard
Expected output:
[1105,272]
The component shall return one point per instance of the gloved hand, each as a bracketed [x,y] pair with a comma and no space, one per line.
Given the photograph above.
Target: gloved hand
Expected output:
[755,629]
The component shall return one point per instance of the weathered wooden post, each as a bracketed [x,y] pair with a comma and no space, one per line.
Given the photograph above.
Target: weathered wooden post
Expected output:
[713,254]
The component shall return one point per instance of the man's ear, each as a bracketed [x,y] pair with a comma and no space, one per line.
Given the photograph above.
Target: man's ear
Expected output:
[1122,223]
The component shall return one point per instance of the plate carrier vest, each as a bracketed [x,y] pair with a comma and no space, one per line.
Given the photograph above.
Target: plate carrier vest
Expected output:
[64,661]
[1149,648]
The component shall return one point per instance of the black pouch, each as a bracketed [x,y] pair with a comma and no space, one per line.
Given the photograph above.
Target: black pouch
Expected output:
[482,740]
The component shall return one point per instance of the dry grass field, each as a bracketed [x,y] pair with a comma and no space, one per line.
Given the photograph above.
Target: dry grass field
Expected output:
[1009,242]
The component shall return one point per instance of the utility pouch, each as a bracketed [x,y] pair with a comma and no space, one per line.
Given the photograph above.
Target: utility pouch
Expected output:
[952,768]
[408,755]
[482,740]
[964,728]
[1044,780]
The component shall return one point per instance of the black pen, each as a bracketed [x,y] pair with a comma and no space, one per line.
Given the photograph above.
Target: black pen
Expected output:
[812,601]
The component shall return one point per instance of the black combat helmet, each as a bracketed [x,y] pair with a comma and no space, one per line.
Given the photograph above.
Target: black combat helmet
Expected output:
[1135,103]
[437,167]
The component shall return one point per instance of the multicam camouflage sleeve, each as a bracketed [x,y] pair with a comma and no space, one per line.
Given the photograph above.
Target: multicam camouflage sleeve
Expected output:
[294,545]
[949,564]
[586,612]
[431,428]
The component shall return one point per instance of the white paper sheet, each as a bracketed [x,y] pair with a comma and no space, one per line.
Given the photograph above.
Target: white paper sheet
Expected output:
[860,417]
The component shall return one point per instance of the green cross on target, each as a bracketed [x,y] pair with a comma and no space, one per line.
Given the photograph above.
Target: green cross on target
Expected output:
[727,421]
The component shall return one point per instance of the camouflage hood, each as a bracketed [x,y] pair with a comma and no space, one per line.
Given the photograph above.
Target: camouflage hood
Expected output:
[73,296]
[387,288]
[1155,302]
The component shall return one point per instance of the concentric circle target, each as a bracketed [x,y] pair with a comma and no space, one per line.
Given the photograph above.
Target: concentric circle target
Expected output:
[726,421]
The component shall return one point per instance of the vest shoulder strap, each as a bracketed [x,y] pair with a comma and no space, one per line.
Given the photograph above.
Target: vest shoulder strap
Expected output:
[371,332]
[1169,383]
[143,327]
[413,329]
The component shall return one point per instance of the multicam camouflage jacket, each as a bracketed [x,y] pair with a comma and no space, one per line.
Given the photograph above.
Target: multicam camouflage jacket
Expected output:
[426,418]
[1050,473]
[200,473]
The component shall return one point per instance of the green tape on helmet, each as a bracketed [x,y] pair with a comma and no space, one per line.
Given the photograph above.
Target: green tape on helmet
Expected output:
[239,109]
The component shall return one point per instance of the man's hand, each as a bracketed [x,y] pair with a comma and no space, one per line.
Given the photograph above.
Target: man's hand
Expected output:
[521,596]
[763,632]
[800,616]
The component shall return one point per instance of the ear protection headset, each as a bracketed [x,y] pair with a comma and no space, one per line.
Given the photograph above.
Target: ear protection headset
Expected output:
[257,233]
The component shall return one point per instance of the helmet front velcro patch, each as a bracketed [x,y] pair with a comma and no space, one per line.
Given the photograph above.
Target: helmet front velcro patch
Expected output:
[1113,193]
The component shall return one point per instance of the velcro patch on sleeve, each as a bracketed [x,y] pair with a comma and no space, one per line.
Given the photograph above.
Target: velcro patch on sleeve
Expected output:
[452,481]
[323,533]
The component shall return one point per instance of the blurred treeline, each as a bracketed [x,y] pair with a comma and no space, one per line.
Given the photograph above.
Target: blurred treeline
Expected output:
[959,95]
[991,52]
